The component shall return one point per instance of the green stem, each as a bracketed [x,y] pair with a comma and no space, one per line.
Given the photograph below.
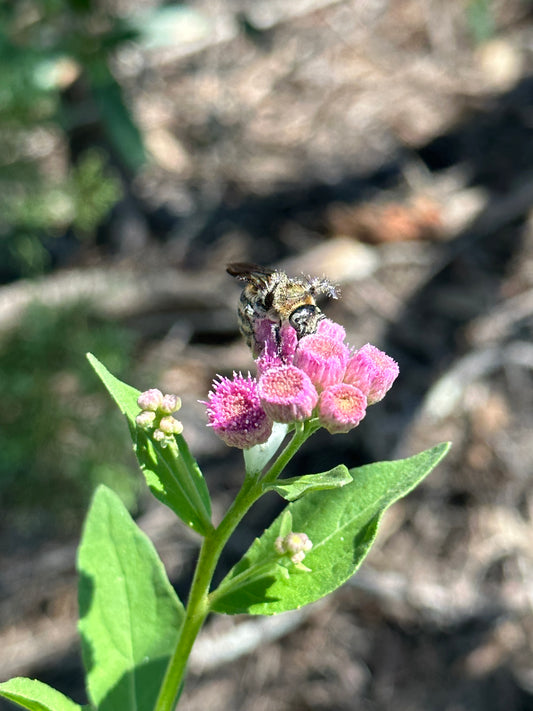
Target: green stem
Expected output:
[198,604]
[212,546]
[302,432]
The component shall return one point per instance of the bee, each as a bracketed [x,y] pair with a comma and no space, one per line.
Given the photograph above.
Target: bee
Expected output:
[274,297]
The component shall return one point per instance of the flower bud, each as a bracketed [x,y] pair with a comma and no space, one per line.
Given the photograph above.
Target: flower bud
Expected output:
[170,404]
[287,394]
[323,359]
[145,419]
[330,329]
[170,426]
[341,408]
[372,371]
[150,399]
[295,545]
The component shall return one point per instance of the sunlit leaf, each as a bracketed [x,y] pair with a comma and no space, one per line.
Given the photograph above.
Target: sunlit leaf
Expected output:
[130,616]
[342,525]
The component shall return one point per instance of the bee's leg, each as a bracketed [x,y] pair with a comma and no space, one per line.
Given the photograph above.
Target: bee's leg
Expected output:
[276,334]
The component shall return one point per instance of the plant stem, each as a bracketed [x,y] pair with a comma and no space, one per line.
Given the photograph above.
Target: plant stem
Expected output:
[198,603]
[302,433]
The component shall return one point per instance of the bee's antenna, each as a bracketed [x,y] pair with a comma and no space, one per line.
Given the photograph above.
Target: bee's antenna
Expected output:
[323,286]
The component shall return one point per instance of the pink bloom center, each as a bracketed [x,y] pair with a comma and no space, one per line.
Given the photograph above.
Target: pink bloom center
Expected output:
[341,407]
[325,347]
[234,411]
[323,359]
[331,330]
[283,384]
[287,394]
[345,402]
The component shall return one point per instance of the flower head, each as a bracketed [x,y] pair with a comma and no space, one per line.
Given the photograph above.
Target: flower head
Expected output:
[287,393]
[280,346]
[329,328]
[341,407]
[235,412]
[323,357]
[372,371]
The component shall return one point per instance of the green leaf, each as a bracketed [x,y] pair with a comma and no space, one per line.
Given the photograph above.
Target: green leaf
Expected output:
[124,395]
[130,616]
[36,696]
[285,523]
[117,118]
[342,525]
[172,474]
[295,487]
[256,458]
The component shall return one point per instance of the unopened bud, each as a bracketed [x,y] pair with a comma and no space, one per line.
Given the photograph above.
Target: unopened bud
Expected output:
[169,404]
[145,419]
[295,545]
[297,557]
[150,399]
[170,426]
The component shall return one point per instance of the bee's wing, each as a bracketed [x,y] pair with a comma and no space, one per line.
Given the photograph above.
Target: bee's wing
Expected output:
[252,273]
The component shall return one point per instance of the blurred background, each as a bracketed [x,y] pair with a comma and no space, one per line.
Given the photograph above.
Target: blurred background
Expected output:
[387,145]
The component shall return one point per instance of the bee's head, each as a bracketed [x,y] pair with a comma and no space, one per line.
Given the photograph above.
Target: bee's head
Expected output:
[305,318]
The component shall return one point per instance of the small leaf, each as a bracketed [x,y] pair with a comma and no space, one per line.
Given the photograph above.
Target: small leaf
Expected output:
[130,616]
[285,525]
[256,458]
[36,696]
[295,487]
[173,475]
[342,525]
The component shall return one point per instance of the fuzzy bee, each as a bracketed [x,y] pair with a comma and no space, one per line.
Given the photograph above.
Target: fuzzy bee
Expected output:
[274,297]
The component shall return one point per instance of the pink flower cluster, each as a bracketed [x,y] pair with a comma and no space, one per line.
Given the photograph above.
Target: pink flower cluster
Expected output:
[317,376]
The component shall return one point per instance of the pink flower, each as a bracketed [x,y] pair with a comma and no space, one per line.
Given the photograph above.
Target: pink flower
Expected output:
[373,371]
[331,330]
[265,337]
[323,358]
[280,346]
[288,343]
[287,394]
[361,371]
[235,412]
[341,407]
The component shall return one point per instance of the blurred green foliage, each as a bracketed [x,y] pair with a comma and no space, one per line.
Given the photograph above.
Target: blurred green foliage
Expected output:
[480,18]
[59,434]
[47,47]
